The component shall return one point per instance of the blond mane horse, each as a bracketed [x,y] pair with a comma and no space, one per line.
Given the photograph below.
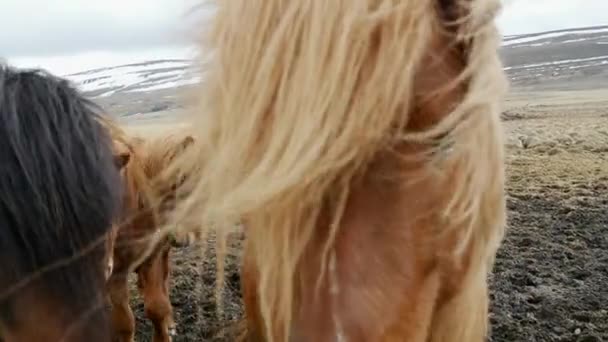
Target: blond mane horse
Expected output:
[360,140]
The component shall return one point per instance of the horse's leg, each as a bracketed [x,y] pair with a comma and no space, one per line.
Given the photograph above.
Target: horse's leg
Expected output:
[185,238]
[153,282]
[166,272]
[249,279]
[123,321]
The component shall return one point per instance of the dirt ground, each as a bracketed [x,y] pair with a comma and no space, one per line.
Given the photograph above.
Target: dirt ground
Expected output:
[550,281]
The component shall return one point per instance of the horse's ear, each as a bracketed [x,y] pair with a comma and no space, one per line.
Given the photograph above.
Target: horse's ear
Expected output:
[122,159]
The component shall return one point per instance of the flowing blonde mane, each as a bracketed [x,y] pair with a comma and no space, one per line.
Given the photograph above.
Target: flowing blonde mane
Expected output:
[160,152]
[300,97]
[150,160]
[153,184]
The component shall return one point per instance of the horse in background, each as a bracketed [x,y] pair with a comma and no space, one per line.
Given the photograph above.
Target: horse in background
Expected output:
[361,143]
[59,196]
[140,245]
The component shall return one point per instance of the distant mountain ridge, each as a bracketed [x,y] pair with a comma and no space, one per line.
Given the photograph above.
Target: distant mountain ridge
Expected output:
[572,58]
[137,77]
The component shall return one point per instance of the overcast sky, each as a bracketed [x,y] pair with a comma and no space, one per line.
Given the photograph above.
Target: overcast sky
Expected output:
[35,29]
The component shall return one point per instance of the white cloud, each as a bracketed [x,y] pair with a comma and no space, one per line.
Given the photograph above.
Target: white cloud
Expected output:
[55,27]
[82,61]
[527,16]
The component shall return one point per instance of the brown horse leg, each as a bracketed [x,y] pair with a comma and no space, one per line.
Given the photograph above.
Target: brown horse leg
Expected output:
[153,282]
[249,278]
[123,321]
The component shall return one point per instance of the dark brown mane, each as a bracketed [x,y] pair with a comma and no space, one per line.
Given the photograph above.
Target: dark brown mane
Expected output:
[59,196]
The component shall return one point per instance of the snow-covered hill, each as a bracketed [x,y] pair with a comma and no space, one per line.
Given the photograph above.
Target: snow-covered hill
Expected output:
[576,56]
[139,77]
[560,36]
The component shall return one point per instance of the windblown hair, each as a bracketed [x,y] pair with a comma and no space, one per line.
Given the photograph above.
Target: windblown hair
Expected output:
[59,194]
[160,152]
[149,188]
[168,186]
[301,97]
[152,156]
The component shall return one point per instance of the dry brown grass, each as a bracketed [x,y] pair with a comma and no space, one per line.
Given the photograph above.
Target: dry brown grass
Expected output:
[557,138]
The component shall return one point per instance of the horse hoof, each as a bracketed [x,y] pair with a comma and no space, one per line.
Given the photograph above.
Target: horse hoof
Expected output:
[178,243]
[183,240]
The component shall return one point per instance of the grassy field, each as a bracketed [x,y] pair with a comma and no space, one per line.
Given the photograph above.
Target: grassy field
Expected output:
[550,282]
[550,279]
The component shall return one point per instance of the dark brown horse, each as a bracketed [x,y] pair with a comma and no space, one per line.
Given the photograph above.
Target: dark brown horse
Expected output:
[59,196]
[361,142]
